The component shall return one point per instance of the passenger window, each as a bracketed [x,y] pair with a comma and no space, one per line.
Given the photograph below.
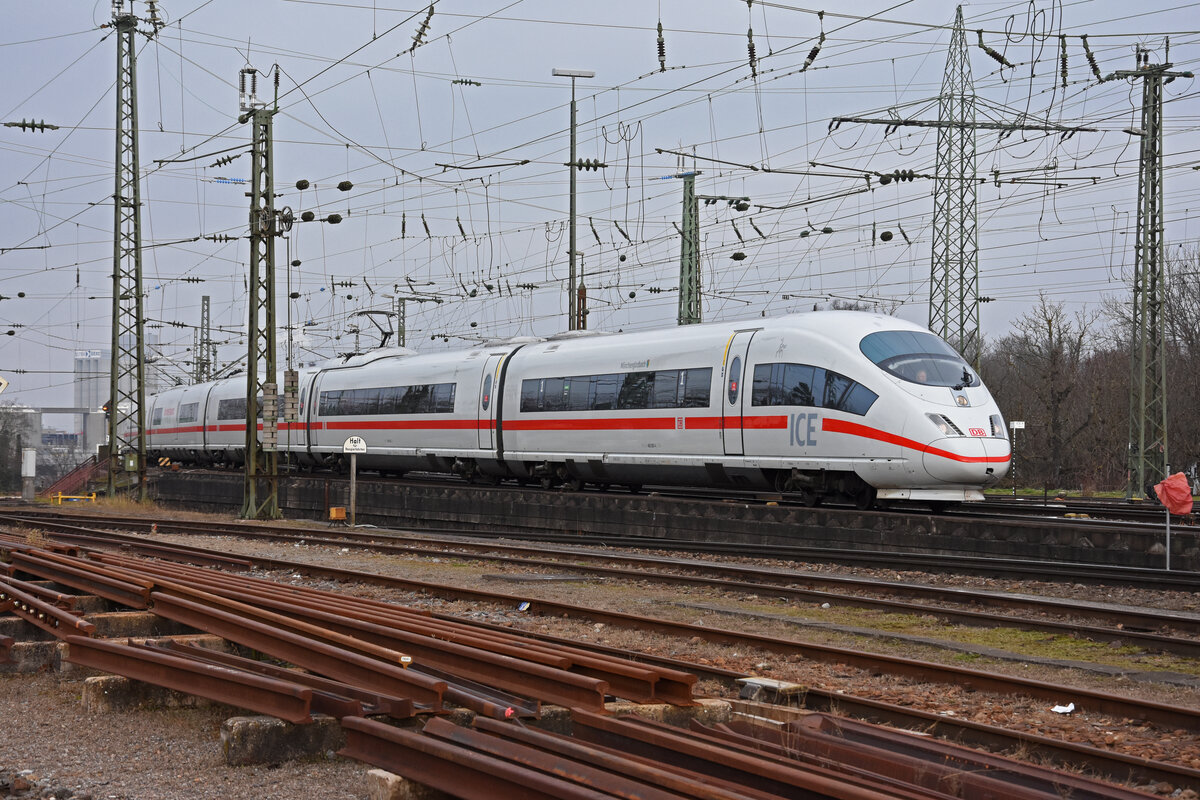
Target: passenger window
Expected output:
[735,377]
[487,391]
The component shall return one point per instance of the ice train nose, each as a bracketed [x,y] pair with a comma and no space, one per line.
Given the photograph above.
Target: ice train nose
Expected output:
[967,459]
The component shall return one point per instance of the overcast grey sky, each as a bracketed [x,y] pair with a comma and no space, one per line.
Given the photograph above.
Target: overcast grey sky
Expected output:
[358,104]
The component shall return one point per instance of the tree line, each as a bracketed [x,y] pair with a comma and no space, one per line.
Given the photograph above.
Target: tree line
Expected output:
[1067,375]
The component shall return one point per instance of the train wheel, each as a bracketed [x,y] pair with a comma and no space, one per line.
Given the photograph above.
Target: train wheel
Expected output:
[634,488]
[810,498]
[864,498]
[573,484]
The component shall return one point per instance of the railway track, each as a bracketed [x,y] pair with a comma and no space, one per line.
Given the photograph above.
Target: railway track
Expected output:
[923,671]
[1009,568]
[1149,629]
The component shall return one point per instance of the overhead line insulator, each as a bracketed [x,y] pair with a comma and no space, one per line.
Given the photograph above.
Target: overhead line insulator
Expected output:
[662,49]
[590,164]
[996,56]
[31,125]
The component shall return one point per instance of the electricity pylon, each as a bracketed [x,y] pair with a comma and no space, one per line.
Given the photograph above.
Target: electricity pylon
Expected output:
[127,370]
[954,259]
[1148,351]
[261,490]
[204,352]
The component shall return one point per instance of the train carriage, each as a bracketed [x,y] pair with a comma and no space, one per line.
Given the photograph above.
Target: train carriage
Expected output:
[829,404]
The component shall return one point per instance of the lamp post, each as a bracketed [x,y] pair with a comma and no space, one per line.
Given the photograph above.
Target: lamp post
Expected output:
[572,295]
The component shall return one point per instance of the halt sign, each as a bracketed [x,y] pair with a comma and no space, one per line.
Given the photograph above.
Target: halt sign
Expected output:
[355,444]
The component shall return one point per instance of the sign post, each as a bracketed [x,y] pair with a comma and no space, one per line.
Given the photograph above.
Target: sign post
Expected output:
[1015,425]
[354,445]
[28,471]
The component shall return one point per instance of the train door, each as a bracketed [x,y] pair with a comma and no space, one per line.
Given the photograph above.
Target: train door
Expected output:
[485,407]
[734,369]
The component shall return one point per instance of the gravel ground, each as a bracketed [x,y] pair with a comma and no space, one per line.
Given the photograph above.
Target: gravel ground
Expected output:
[142,755]
[176,754]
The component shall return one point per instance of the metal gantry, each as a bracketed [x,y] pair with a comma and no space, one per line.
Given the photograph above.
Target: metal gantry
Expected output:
[127,386]
[689,253]
[1148,457]
[576,316]
[261,492]
[204,352]
[954,258]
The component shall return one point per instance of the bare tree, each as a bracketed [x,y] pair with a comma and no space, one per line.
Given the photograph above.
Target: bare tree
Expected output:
[1037,373]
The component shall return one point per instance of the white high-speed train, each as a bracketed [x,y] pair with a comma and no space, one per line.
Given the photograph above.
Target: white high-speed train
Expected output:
[831,404]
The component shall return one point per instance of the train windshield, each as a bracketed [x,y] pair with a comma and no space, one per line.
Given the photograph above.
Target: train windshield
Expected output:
[918,357]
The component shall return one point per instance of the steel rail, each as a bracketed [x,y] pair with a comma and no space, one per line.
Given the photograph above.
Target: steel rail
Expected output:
[1074,572]
[443,766]
[548,679]
[286,700]
[134,594]
[824,782]
[303,651]
[920,761]
[372,702]
[616,773]
[922,671]
[63,601]
[773,581]
[354,615]
[37,611]
[1120,766]
[652,743]
[1129,624]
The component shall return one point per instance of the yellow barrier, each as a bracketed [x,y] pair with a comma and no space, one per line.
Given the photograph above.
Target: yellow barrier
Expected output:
[58,498]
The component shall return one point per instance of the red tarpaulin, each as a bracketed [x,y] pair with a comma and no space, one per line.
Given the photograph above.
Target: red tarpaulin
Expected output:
[1176,494]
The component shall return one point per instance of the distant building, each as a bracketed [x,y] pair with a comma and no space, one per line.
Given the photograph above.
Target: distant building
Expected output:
[91,378]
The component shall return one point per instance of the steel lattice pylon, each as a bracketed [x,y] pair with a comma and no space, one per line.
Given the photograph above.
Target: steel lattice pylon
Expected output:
[261,495]
[954,265]
[127,387]
[689,255]
[1148,351]
[204,357]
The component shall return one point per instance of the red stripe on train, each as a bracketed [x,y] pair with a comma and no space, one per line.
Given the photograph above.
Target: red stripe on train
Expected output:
[856,429]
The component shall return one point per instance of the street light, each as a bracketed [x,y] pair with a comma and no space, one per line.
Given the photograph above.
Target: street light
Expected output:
[572,296]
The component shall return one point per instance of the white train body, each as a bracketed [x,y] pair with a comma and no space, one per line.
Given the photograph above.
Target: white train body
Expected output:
[832,403]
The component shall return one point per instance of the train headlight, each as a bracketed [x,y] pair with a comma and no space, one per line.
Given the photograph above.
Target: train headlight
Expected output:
[943,424]
[998,430]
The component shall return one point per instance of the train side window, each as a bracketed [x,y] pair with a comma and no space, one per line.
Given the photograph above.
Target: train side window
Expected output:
[836,387]
[487,391]
[797,385]
[760,389]
[232,408]
[579,393]
[416,400]
[300,405]
[156,418]
[858,400]
[554,394]
[635,390]
[735,378]
[666,389]
[530,390]
[443,398]
[189,412]
[697,388]
[607,388]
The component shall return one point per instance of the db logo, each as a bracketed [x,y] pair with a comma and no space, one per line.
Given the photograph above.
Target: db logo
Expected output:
[978,432]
